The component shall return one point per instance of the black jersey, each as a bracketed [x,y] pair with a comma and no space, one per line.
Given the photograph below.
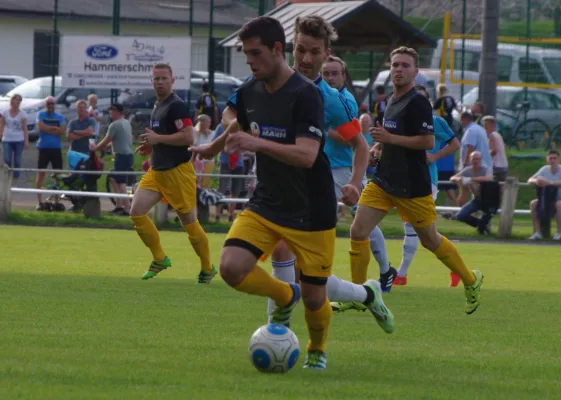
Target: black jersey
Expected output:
[444,107]
[404,172]
[293,197]
[168,117]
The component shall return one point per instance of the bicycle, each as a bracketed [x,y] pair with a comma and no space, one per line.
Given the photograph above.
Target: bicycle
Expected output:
[524,133]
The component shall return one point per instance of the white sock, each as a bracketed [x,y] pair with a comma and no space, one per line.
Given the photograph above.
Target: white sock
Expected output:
[344,291]
[410,244]
[284,271]
[378,248]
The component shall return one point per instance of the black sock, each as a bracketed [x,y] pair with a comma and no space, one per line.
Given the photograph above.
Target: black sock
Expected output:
[369,295]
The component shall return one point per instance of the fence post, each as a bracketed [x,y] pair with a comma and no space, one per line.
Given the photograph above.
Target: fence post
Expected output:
[508,206]
[160,214]
[5,192]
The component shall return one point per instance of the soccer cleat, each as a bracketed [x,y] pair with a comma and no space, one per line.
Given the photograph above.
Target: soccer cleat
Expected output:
[338,306]
[156,267]
[472,293]
[400,281]
[454,279]
[205,277]
[316,360]
[386,280]
[383,315]
[281,315]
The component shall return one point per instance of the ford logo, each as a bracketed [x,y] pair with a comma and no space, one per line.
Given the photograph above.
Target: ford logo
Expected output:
[101,51]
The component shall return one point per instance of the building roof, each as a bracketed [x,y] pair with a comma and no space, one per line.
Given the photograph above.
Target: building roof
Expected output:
[227,13]
[362,25]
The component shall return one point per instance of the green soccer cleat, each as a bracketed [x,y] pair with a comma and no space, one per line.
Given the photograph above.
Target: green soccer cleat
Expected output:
[338,306]
[316,360]
[472,293]
[205,277]
[383,315]
[281,315]
[156,267]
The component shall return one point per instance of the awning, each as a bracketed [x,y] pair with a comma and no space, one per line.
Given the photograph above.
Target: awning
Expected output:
[361,25]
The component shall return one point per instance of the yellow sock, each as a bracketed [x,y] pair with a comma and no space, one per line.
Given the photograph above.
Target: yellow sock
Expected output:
[360,258]
[149,235]
[199,241]
[449,256]
[260,283]
[318,326]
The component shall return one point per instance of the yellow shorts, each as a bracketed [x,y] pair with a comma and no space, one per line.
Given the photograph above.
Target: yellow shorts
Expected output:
[178,186]
[419,211]
[314,250]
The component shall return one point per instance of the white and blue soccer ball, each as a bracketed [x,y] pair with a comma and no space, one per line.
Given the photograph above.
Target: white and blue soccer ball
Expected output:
[274,348]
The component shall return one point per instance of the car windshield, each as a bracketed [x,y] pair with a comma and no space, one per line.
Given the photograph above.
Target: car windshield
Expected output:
[33,90]
[6,85]
[553,65]
[504,98]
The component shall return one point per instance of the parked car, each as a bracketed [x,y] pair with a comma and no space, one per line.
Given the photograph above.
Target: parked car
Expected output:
[9,82]
[138,106]
[34,92]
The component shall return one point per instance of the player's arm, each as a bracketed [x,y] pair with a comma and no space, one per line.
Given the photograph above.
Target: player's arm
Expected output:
[308,118]
[446,135]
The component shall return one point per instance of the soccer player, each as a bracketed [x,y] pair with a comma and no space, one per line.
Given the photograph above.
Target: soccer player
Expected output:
[170,177]
[340,155]
[402,179]
[294,200]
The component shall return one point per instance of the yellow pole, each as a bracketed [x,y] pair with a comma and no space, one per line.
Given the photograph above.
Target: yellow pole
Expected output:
[445,37]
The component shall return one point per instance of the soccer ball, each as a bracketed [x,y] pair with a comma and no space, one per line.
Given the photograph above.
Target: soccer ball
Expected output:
[273,348]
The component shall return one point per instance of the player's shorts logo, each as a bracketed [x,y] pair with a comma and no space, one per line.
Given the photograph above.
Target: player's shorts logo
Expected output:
[254,128]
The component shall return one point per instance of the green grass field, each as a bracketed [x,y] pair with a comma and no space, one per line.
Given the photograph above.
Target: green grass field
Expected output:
[77,322]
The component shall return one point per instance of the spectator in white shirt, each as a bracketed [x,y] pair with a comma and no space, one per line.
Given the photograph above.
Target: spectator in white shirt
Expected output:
[93,112]
[497,148]
[204,135]
[548,176]
[14,134]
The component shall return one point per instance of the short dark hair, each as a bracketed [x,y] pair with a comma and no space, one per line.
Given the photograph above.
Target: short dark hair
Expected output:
[206,87]
[553,152]
[408,51]
[316,27]
[380,89]
[267,29]
[163,66]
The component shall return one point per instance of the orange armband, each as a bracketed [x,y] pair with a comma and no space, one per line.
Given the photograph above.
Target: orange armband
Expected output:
[349,130]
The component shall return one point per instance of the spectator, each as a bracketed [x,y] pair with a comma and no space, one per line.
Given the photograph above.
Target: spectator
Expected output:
[51,126]
[230,164]
[497,148]
[119,135]
[380,104]
[94,113]
[203,135]
[207,105]
[365,125]
[474,139]
[478,110]
[14,134]
[470,177]
[444,104]
[548,175]
[81,129]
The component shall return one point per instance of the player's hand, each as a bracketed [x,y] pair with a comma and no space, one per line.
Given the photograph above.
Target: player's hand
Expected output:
[380,135]
[150,137]
[350,194]
[204,152]
[240,141]
[145,149]
[430,158]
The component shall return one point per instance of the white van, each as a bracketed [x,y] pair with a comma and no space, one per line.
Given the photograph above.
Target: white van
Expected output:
[543,66]
[429,78]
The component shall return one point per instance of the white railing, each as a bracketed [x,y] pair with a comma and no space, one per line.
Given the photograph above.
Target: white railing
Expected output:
[506,212]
